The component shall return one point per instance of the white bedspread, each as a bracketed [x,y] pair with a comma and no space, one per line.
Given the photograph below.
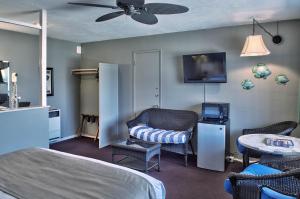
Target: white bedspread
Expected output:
[158,185]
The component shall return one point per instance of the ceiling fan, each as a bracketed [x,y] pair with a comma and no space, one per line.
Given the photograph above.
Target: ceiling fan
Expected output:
[138,10]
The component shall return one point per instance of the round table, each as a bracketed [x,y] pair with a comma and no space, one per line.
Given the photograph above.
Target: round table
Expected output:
[257,142]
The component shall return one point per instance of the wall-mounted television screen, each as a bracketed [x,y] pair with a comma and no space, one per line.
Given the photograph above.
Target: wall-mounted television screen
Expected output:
[205,68]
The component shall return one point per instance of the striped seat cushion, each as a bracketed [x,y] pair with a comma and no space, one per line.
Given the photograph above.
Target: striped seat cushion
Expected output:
[149,134]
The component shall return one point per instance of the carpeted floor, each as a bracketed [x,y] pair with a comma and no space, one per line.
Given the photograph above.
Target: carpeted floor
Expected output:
[180,182]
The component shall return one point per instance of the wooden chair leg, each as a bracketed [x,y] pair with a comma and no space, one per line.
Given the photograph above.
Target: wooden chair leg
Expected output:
[97,133]
[79,130]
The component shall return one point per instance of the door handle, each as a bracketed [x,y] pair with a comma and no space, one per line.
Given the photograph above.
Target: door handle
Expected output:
[156,95]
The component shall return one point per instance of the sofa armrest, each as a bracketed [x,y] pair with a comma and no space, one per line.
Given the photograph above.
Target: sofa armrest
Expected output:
[254,131]
[250,184]
[285,163]
[132,123]
[282,128]
[140,119]
[192,131]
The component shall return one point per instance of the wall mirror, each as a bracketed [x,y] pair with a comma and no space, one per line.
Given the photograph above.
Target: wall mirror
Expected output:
[4,83]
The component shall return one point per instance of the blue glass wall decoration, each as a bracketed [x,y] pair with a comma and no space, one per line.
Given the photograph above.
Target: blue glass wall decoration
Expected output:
[247,84]
[281,79]
[261,71]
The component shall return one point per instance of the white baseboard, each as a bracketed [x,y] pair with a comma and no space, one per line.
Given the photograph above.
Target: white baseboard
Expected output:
[63,139]
[88,136]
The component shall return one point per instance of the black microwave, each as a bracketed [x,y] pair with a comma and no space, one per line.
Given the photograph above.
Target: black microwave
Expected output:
[215,111]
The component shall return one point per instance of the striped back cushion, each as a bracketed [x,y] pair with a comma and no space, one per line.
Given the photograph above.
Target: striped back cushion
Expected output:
[149,134]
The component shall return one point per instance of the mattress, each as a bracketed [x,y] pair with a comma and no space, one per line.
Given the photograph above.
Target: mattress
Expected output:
[130,178]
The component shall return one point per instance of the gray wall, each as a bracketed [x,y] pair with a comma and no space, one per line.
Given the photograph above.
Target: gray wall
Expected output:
[63,58]
[19,130]
[22,50]
[265,104]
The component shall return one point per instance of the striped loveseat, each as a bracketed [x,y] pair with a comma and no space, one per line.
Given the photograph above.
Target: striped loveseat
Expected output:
[172,128]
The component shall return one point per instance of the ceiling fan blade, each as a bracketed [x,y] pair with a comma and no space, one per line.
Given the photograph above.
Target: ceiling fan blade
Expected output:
[165,8]
[94,5]
[145,17]
[110,16]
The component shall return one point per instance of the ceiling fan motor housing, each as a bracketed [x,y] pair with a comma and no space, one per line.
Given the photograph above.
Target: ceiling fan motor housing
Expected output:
[135,3]
[130,6]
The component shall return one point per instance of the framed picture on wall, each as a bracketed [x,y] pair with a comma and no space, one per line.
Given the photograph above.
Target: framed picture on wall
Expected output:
[49,82]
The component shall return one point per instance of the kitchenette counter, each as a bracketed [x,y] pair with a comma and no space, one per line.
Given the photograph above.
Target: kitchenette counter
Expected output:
[21,109]
[24,128]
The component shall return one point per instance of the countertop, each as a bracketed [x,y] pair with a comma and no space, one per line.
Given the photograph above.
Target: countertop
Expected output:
[22,109]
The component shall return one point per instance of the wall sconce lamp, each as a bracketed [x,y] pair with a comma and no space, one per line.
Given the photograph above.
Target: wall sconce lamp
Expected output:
[254,44]
[4,64]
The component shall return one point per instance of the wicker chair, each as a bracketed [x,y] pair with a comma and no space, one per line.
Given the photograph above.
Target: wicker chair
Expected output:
[178,120]
[282,180]
[282,128]
[252,187]
[283,163]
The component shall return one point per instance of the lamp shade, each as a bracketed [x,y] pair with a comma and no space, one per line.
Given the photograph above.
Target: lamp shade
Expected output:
[254,46]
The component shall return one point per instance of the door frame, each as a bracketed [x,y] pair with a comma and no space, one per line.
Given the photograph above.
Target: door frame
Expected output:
[134,53]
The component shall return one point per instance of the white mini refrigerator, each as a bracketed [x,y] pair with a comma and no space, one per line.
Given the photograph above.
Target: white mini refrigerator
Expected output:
[213,145]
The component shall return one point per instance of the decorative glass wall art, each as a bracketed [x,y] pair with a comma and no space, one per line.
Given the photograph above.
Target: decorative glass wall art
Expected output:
[282,79]
[247,84]
[261,71]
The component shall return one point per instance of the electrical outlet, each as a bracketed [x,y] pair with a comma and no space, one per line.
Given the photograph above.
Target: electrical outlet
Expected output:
[230,159]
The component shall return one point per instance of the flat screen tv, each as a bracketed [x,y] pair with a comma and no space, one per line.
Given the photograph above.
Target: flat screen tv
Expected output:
[205,68]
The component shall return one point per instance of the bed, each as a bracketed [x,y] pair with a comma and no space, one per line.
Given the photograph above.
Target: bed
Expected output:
[43,173]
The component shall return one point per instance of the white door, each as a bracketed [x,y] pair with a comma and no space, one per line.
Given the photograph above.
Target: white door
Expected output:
[108,104]
[146,80]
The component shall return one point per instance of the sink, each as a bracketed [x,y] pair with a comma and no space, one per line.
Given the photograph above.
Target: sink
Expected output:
[3,108]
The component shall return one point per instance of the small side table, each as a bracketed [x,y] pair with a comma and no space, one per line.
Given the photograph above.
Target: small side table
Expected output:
[137,154]
[257,142]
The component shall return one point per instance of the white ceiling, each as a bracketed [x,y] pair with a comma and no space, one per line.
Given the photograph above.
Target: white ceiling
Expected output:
[76,23]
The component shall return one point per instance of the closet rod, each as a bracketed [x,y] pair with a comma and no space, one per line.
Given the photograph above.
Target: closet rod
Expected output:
[85,71]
